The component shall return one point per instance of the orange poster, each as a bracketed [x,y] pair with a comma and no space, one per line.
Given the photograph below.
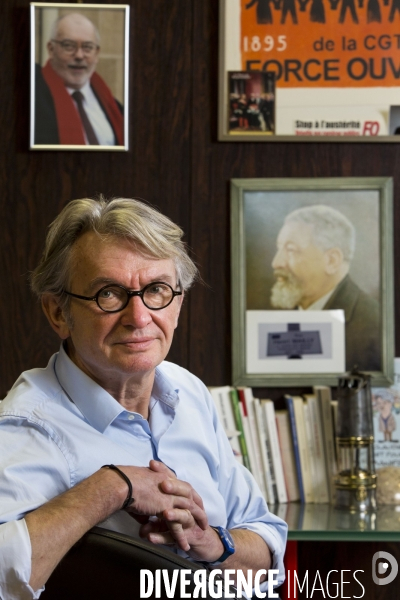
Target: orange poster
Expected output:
[336,63]
[330,43]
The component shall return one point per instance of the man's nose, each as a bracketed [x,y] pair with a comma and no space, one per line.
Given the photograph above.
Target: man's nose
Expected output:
[79,53]
[136,313]
[279,260]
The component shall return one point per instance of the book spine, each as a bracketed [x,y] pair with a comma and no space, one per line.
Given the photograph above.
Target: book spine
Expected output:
[269,412]
[311,451]
[298,405]
[269,455]
[239,426]
[249,430]
[287,454]
[253,446]
[290,407]
[223,403]
[266,460]
[324,405]
[321,488]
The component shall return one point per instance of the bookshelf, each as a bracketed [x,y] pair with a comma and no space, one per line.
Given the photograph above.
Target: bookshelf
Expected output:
[322,541]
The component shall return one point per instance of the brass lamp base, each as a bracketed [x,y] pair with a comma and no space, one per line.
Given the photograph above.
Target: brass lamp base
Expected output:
[356,499]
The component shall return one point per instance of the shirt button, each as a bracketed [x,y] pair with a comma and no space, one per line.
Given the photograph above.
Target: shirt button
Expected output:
[131,417]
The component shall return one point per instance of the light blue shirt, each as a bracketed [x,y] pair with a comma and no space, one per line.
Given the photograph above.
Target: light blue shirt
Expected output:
[57,427]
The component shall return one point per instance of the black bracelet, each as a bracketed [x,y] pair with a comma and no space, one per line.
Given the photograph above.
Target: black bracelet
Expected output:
[129,498]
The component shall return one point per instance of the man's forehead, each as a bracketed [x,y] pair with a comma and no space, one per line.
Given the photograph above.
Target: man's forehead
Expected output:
[76,26]
[97,254]
[296,232]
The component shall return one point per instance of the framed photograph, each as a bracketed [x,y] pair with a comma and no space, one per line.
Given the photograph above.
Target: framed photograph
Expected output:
[336,65]
[301,248]
[249,110]
[79,76]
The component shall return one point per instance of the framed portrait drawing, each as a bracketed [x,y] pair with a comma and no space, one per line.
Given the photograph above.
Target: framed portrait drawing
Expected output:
[334,69]
[79,76]
[312,280]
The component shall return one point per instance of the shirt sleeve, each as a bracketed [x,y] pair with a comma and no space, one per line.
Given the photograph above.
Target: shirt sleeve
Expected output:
[24,486]
[15,563]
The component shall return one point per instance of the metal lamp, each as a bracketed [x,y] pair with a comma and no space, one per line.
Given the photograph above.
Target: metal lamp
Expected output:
[356,482]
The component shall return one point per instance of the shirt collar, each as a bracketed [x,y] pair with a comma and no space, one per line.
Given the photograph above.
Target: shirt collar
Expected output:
[320,303]
[98,406]
[85,89]
[163,390]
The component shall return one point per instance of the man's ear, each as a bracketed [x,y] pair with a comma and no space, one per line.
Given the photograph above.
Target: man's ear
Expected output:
[55,315]
[50,48]
[333,260]
[180,302]
[96,58]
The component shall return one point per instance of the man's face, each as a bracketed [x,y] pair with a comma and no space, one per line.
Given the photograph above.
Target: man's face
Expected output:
[75,69]
[123,346]
[299,268]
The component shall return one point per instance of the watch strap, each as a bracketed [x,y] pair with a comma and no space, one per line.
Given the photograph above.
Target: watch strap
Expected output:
[229,547]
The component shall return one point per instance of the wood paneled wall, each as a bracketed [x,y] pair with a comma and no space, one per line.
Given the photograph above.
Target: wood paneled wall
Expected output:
[175,162]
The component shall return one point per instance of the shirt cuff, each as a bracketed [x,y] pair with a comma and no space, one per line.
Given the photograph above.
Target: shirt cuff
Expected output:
[15,562]
[275,542]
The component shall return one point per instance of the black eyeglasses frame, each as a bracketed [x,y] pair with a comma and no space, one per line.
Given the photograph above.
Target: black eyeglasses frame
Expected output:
[93,48]
[129,293]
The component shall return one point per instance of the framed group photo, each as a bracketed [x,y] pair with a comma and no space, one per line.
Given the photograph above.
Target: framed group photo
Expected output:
[79,76]
[312,280]
[334,64]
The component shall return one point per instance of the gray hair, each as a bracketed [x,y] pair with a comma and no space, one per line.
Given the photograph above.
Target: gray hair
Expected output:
[152,233]
[330,228]
[54,27]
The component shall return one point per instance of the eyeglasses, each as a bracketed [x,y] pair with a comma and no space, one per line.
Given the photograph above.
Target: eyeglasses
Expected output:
[113,297]
[70,47]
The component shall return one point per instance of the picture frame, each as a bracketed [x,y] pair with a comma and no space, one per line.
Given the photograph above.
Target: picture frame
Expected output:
[350,260]
[79,77]
[336,66]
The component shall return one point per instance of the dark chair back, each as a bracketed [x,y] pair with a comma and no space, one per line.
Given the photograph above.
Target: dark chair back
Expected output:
[105,565]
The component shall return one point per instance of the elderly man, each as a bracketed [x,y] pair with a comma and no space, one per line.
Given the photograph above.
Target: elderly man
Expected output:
[112,281]
[73,104]
[314,250]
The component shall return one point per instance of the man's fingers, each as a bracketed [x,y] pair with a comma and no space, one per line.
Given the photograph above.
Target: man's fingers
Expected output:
[198,499]
[178,515]
[160,467]
[183,491]
[176,487]
[161,538]
[199,516]
[198,511]
[153,526]
[179,536]
[170,533]
[177,521]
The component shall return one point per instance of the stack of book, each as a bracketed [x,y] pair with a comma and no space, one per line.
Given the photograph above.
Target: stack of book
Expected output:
[290,452]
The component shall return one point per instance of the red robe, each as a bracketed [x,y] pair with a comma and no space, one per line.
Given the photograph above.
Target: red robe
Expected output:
[70,128]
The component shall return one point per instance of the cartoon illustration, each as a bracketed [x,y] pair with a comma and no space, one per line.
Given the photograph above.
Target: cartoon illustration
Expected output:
[384,404]
[263,12]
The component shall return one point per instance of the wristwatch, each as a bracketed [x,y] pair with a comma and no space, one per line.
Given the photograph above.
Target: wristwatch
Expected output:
[227,542]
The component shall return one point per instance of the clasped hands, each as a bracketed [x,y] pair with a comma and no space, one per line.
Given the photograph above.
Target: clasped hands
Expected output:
[183,523]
